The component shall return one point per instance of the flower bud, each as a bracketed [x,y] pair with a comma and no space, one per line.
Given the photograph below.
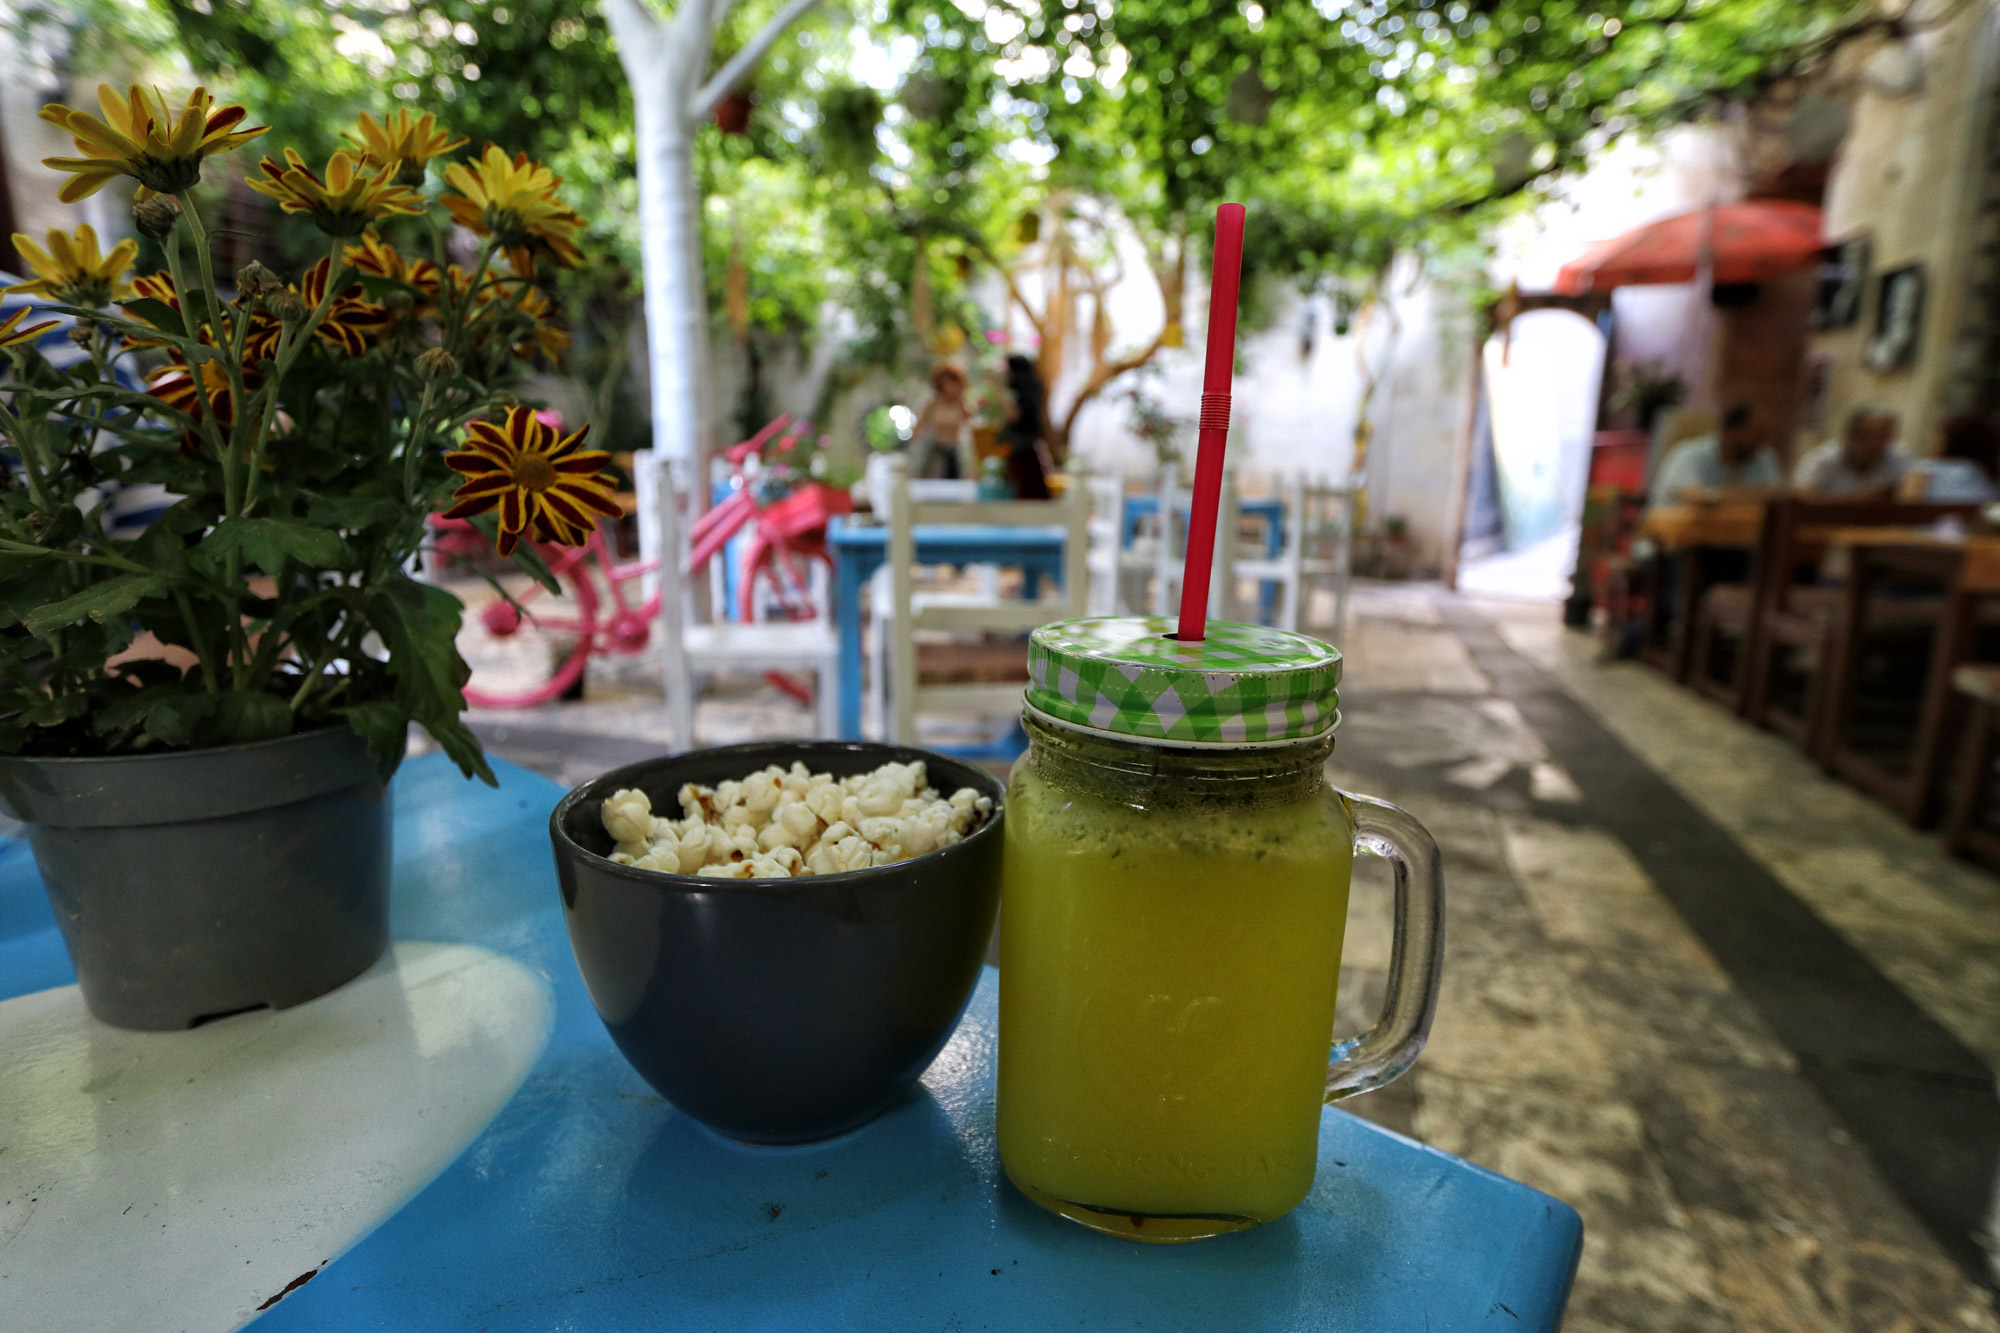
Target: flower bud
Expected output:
[505,402]
[288,306]
[254,282]
[155,217]
[434,363]
[82,332]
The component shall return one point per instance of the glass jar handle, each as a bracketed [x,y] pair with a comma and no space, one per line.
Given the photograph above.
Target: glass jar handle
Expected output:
[1385,1051]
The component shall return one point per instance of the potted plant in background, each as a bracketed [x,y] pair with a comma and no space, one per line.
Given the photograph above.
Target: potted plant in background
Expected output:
[197,722]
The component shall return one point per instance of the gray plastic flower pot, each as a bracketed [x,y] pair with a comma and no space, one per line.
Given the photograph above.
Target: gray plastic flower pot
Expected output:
[203,883]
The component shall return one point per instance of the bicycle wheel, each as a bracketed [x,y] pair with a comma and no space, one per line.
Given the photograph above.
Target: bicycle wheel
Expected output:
[775,582]
[533,648]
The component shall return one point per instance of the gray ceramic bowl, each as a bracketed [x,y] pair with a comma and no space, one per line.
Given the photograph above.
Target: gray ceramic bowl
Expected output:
[778,1011]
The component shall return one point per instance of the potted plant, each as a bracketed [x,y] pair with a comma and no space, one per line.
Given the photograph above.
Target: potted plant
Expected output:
[197,720]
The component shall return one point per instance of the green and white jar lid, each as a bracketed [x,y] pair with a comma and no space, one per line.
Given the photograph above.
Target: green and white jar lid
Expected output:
[1128,675]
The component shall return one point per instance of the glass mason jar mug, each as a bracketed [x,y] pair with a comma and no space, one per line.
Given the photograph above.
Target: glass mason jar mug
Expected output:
[1172,912]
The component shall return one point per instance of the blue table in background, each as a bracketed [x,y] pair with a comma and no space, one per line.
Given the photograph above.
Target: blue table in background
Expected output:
[1272,511]
[859,549]
[587,1203]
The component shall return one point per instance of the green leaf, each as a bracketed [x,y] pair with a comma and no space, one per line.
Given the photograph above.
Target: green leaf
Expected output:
[361,510]
[267,542]
[252,717]
[386,730]
[173,720]
[457,741]
[531,563]
[156,312]
[525,557]
[419,626]
[99,602]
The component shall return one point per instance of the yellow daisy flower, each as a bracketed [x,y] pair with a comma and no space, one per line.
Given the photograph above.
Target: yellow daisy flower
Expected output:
[544,483]
[528,319]
[404,142]
[142,137]
[547,337]
[174,384]
[72,270]
[13,335]
[346,201]
[514,201]
[377,258]
[352,323]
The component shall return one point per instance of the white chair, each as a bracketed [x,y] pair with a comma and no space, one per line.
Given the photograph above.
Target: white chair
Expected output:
[902,612]
[1318,541]
[692,649]
[1116,570]
[1167,553]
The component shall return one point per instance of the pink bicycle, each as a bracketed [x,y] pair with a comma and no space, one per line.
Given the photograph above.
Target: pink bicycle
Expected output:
[547,661]
[539,643]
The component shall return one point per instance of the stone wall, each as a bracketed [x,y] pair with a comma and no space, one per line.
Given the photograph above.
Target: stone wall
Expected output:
[1915,176]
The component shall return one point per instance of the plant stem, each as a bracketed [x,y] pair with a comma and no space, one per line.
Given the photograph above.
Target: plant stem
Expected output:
[419,439]
[201,649]
[209,425]
[205,263]
[31,469]
[288,352]
[11,547]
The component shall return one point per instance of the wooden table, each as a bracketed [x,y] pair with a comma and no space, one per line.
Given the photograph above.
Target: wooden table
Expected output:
[1686,533]
[1967,569]
[1726,523]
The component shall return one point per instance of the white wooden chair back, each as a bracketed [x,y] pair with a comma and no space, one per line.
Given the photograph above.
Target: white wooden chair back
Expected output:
[910,612]
[1106,557]
[1323,552]
[690,649]
[1175,503]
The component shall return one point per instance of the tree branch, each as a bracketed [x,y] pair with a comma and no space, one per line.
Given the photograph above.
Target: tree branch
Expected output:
[637,30]
[738,66]
[1103,375]
[978,242]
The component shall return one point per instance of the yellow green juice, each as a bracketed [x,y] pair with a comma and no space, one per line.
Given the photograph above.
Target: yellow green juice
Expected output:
[1167,981]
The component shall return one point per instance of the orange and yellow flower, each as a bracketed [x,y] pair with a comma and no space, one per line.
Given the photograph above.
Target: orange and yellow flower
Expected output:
[141,136]
[544,483]
[155,287]
[402,142]
[513,200]
[13,334]
[351,195]
[174,384]
[352,322]
[544,335]
[73,270]
[378,259]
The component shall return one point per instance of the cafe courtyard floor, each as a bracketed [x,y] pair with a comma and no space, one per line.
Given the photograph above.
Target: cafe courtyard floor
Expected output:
[1743,1019]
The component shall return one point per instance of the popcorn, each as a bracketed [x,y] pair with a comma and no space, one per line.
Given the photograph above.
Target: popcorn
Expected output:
[781,823]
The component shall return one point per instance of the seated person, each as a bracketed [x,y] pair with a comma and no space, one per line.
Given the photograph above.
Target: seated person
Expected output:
[1735,456]
[1963,472]
[1861,465]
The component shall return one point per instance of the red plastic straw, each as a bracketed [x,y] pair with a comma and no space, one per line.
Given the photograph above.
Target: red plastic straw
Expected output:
[1225,272]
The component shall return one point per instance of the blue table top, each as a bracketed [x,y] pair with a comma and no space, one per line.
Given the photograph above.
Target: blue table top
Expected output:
[1148,502]
[588,1203]
[844,535]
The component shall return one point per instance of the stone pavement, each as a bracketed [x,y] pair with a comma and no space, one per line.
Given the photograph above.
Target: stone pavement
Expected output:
[1740,1017]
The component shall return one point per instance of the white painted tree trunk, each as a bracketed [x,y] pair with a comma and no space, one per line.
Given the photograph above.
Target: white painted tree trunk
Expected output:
[665,59]
[676,304]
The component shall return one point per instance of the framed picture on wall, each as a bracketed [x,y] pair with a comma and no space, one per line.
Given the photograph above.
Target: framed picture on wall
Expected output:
[1899,313]
[1843,283]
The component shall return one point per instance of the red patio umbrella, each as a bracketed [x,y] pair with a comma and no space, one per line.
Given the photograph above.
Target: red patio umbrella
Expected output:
[1748,242]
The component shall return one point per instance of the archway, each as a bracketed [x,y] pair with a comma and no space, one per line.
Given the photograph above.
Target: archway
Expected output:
[1540,378]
